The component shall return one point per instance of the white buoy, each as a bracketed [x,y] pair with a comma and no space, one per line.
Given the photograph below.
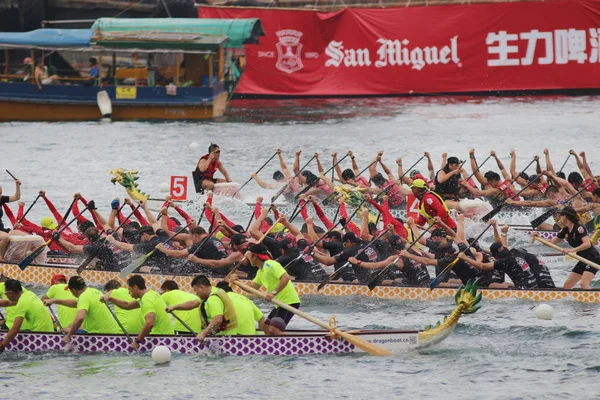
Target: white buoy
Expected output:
[194,145]
[543,311]
[164,187]
[161,355]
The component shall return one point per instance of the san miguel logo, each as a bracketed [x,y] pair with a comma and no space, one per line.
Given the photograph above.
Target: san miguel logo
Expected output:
[289,51]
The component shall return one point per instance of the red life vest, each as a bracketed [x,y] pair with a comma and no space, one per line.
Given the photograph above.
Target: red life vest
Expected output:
[505,188]
[395,196]
[208,173]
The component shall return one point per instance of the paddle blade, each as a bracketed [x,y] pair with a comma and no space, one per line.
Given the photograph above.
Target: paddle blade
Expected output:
[363,344]
[492,213]
[377,279]
[333,276]
[135,265]
[30,258]
[540,220]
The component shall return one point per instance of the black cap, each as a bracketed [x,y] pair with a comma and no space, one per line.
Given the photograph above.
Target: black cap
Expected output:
[302,244]
[438,232]
[569,212]
[350,237]
[453,160]
[498,250]
[396,242]
[238,239]
[238,228]
[334,235]
[286,244]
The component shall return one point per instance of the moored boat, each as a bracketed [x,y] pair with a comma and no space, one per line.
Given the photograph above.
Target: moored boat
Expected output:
[139,69]
[42,274]
[292,343]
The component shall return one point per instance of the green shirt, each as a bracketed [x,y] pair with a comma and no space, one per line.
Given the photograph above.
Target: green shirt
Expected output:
[31,309]
[247,314]
[66,315]
[132,320]
[269,276]
[151,302]
[190,317]
[98,318]
[10,311]
[215,307]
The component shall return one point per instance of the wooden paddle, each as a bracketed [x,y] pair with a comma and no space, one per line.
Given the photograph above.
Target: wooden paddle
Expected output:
[56,320]
[356,341]
[572,254]
[183,323]
[30,258]
[280,192]
[539,220]
[129,339]
[257,172]
[235,268]
[497,209]
[141,260]
[381,274]
[341,269]
[438,279]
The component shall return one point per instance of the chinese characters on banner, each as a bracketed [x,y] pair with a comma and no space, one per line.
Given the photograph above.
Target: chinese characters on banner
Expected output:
[468,48]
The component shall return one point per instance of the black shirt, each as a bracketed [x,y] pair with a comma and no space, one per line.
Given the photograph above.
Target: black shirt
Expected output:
[3,200]
[158,259]
[462,269]
[212,249]
[416,274]
[305,268]
[575,239]
[539,269]
[273,246]
[333,247]
[101,251]
[518,271]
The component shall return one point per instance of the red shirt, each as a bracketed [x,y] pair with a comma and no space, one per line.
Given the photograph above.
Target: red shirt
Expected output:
[434,208]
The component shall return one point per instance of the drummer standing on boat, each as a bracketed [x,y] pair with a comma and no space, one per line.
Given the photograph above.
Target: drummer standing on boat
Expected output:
[207,166]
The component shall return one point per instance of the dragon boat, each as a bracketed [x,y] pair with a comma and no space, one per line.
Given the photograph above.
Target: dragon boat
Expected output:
[42,274]
[292,343]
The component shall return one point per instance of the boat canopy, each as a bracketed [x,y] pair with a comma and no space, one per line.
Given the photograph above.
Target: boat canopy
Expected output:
[176,33]
[41,38]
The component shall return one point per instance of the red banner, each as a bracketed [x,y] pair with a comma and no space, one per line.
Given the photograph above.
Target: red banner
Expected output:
[443,49]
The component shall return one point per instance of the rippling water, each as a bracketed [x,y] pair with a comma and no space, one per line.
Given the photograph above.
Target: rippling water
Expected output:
[500,352]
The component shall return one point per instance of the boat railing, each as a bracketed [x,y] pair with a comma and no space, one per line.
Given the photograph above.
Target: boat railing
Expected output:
[328,5]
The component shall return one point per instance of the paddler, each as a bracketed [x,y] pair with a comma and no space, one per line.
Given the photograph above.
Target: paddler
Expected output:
[172,296]
[576,235]
[207,166]
[431,205]
[58,283]
[496,188]
[8,199]
[156,319]
[248,315]
[9,311]
[27,307]
[92,315]
[447,179]
[278,283]
[219,316]
[132,320]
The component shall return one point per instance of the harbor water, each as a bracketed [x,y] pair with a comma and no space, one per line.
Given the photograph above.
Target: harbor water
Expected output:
[501,352]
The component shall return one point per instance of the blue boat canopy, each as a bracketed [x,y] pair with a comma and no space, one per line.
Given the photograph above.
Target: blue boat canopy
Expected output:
[55,38]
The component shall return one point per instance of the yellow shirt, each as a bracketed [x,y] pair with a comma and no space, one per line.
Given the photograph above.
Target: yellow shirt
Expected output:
[31,309]
[269,276]
[247,314]
[98,318]
[10,311]
[132,320]
[190,317]
[151,302]
[66,315]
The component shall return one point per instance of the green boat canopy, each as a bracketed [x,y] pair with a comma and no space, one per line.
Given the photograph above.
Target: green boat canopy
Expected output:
[176,33]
